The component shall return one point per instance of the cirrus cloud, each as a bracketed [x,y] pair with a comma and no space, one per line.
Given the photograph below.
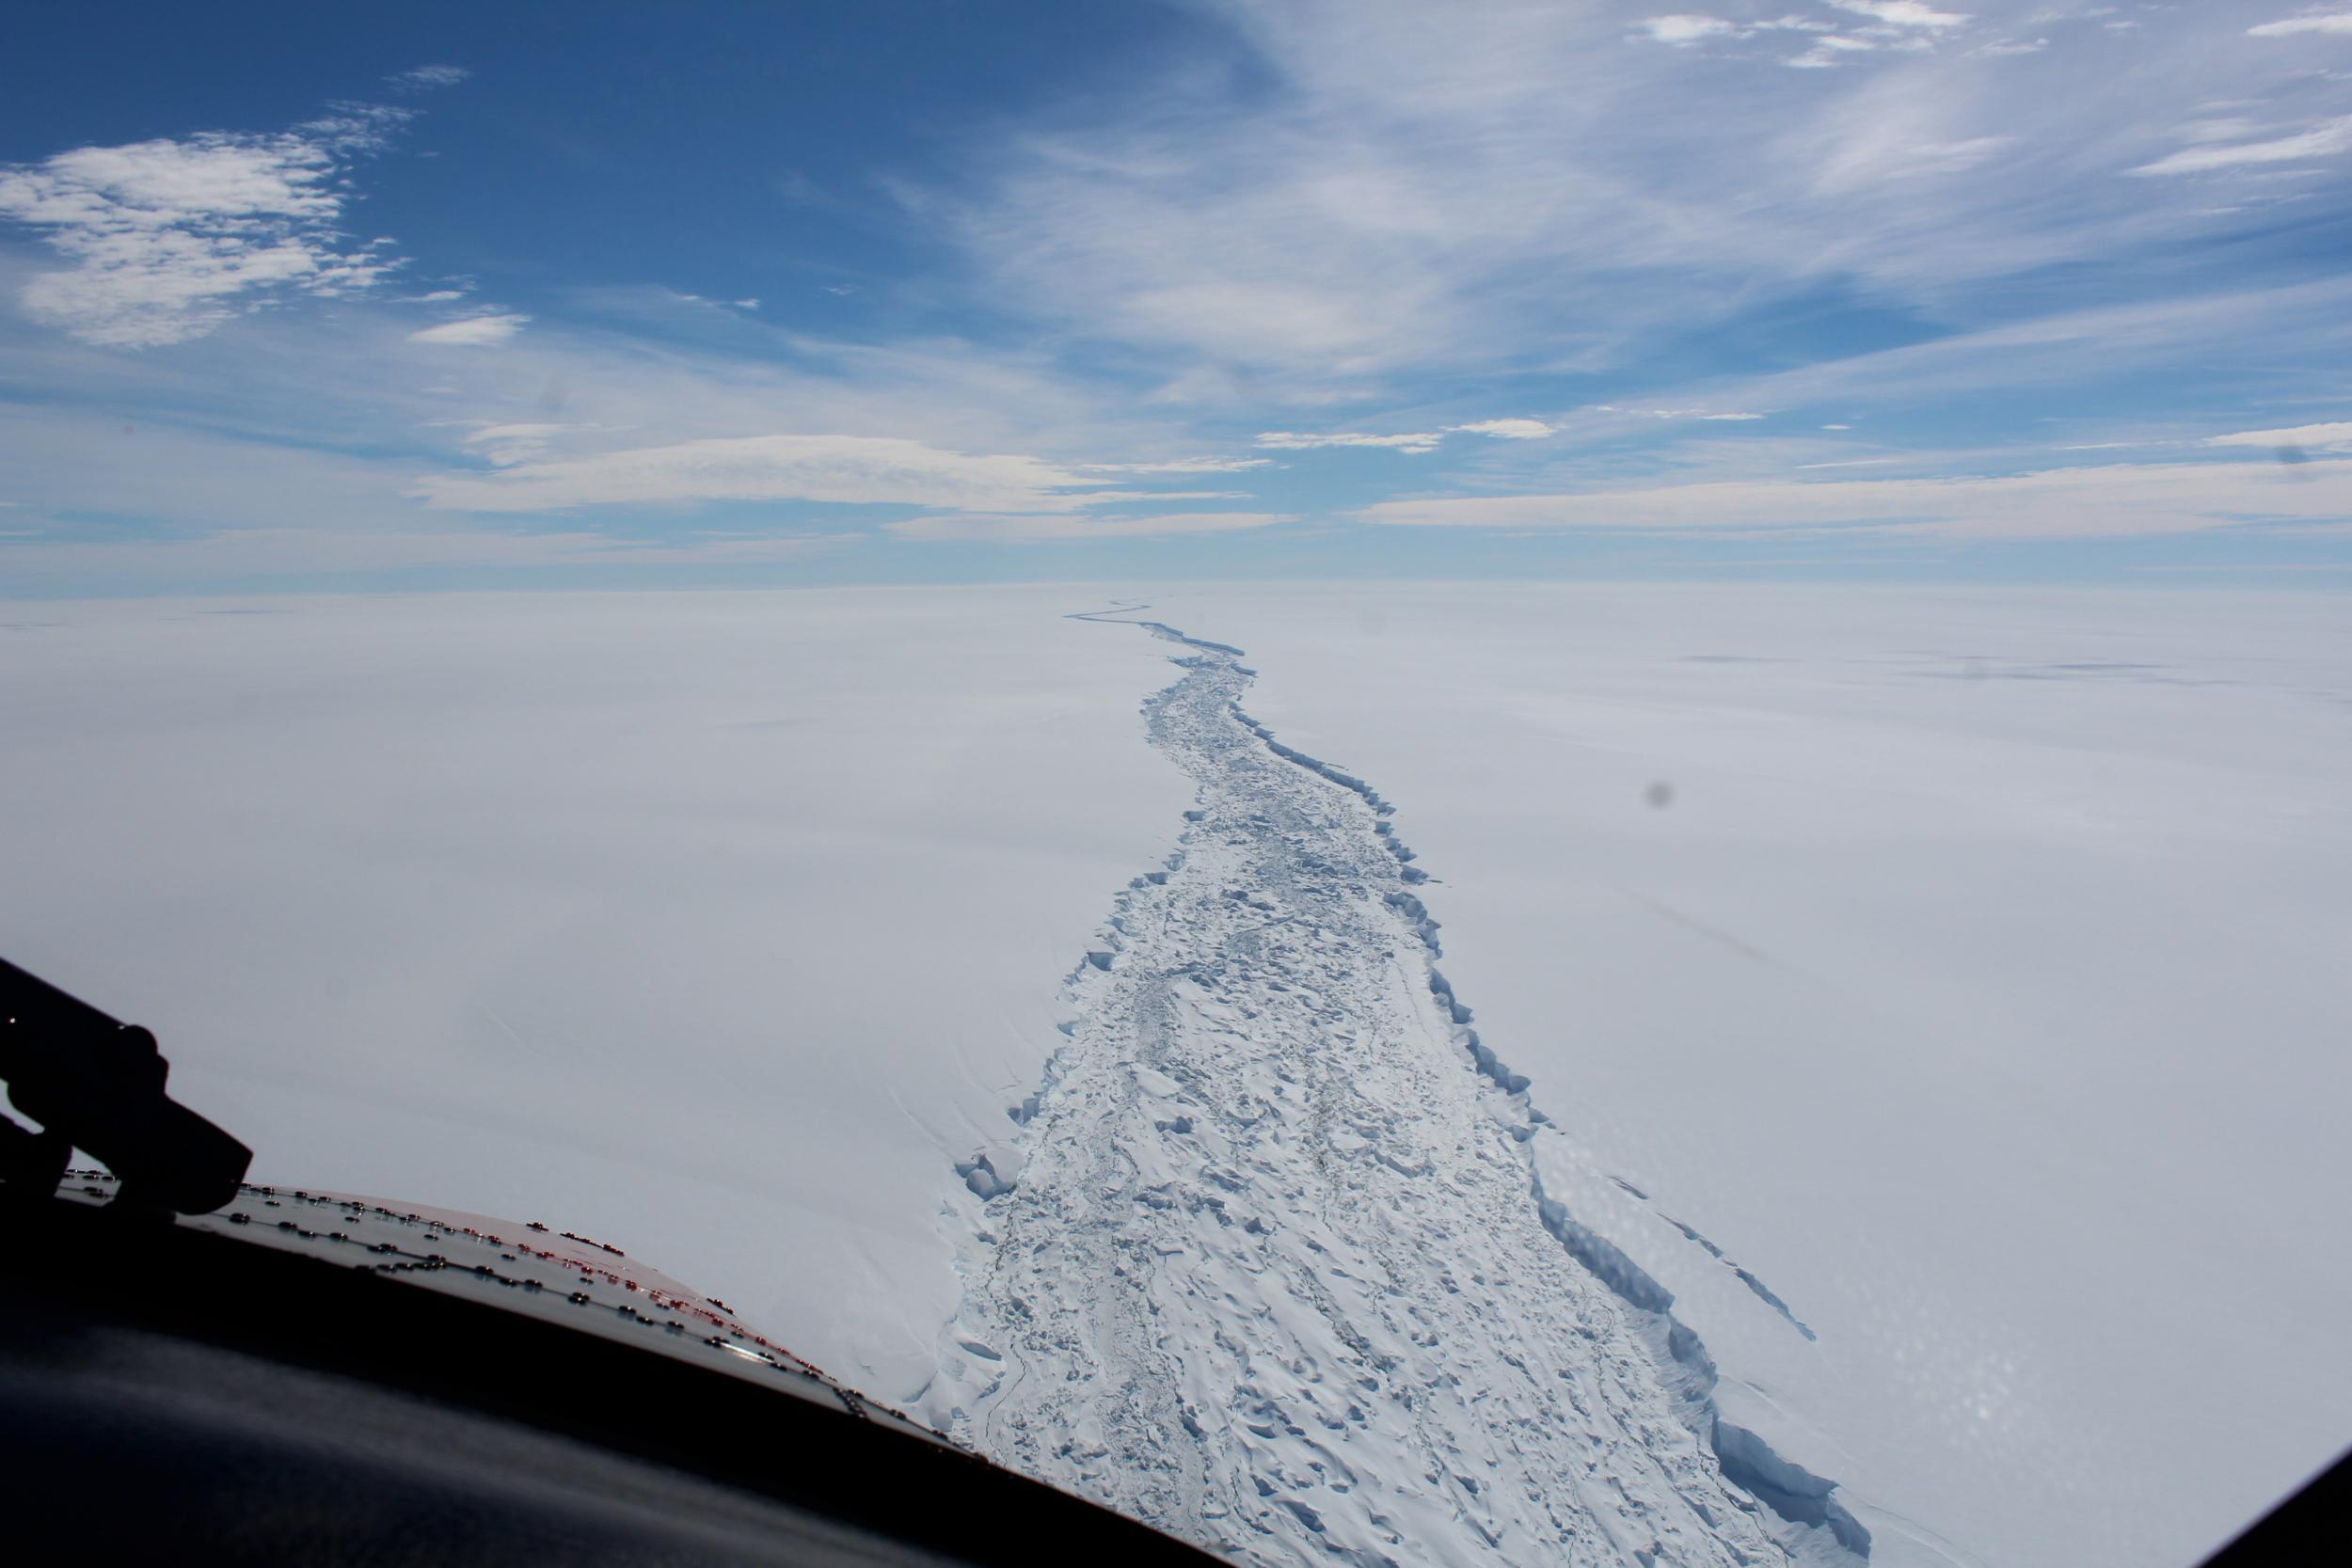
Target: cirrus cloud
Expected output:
[472,331]
[1902,13]
[852,470]
[426,78]
[1411,441]
[1683,29]
[2311,22]
[2323,140]
[1298,440]
[1507,430]
[1183,465]
[1734,417]
[2326,437]
[2114,501]
[1063,528]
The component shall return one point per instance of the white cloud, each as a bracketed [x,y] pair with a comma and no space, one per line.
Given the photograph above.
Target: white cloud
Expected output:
[227,484]
[1683,30]
[2036,356]
[2323,140]
[1952,157]
[2311,22]
[168,239]
[1826,51]
[2221,128]
[507,445]
[1161,497]
[2327,438]
[752,303]
[1183,465]
[1294,440]
[2121,500]
[854,470]
[1902,13]
[262,552]
[1674,413]
[1404,200]
[438,297]
[1428,440]
[514,432]
[425,78]
[472,331]
[1061,527]
[1680,31]
[1902,141]
[1507,430]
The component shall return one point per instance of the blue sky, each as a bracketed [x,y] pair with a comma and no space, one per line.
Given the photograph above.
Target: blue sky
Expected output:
[914,290]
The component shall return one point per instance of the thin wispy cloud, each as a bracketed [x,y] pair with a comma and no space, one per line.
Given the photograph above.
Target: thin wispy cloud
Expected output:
[1731,416]
[1904,13]
[2125,500]
[1183,465]
[1414,198]
[2310,22]
[2324,437]
[170,238]
[2324,140]
[1683,29]
[1507,430]
[1902,26]
[1827,53]
[1064,529]
[1299,440]
[244,553]
[427,78]
[1411,441]
[1541,251]
[472,331]
[507,445]
[852,470]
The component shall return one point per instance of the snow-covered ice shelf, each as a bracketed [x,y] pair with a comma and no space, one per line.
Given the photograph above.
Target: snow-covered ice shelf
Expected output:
[717,922]
[1974,1005]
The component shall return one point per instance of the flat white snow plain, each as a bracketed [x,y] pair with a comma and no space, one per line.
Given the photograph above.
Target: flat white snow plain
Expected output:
[713,924]
[1974,997]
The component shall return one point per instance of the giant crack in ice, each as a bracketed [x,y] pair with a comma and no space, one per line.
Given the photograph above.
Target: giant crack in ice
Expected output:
[1276,1272]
